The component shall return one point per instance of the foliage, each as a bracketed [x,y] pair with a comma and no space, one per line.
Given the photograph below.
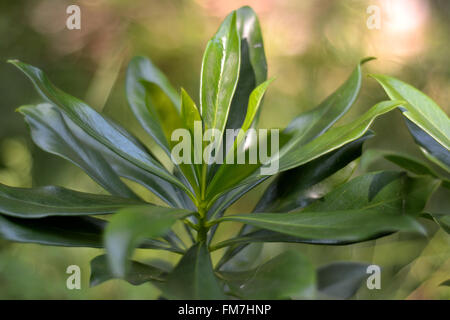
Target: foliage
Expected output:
[313,198]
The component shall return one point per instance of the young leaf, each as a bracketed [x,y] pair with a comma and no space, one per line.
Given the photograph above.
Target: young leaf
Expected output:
[219,76]
[51,133]
[130,226]
[341,280]
[288,275]
[193,277]
[313,123]
[103,130]
[151,97]
[57,201]
[422,111]
[137,274]
[253,65]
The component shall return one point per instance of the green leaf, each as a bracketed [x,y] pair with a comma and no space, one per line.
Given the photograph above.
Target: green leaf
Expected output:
[254,103]
[137,274]
[288,275]
[169,193]
[341,280]
[404,161]
[292,188]
[151,97]
[299,132]
[297,188]
[54,231]
[51,133]
[315,122]
[253,65]
[434,151]
[130,226]
[374,205]
[423,112]
[292,155]
[98,127]
[193,278]
[219,76]
[63,231]
[57,201]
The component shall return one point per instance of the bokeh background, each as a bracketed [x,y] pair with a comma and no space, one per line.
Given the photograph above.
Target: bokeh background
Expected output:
[311,47]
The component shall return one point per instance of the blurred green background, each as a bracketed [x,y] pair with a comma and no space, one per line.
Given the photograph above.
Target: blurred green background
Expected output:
[311,47]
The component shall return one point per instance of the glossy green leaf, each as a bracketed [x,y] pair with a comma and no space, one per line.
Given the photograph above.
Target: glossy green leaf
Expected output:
[292,188]
[254,103]
[299,132]
[100,128]
[63,231]
[288,275]
[424,113]
[374,205]
[190,116]
[137,274]
[153,100]
[169,193]
[297,188]
[432,149]
[292,155]
[57,201]
[253,65]
[51,133]
[54,231]
[341,280]
[313,123]
[193,277]
[130,226]
[219,76]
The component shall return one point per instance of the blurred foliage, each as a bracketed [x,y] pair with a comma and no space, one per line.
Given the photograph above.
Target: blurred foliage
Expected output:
[311,46]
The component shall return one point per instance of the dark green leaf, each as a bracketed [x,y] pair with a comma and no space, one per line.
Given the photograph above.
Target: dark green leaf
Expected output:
[291,189]
[288,275]
[137,274]
[169,193]
[151,97]
[100,128]
[51,133]
[193,277]
[432,149]
[54,231]
[374,204]
[292,155]
[130,226]
[57,201]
